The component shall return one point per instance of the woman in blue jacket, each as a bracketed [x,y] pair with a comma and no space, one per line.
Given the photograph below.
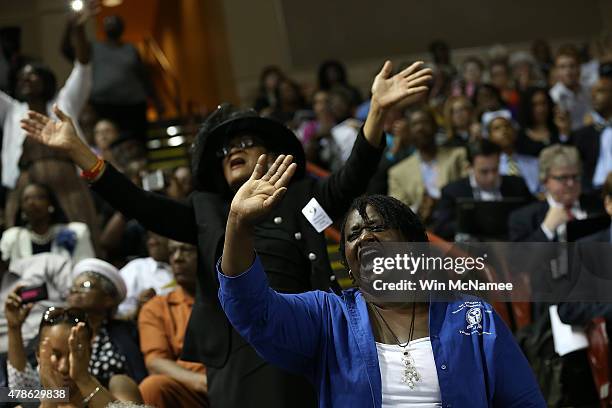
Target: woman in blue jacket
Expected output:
[362,354]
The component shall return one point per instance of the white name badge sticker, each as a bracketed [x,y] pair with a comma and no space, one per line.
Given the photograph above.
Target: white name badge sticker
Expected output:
[316,215]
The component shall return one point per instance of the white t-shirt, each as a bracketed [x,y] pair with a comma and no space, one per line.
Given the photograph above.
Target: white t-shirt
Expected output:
[395,393]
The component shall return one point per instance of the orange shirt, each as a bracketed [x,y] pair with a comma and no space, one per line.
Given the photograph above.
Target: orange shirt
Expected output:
[162,323]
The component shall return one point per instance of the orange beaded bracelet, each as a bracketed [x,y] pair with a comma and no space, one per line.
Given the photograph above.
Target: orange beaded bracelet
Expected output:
[93,173]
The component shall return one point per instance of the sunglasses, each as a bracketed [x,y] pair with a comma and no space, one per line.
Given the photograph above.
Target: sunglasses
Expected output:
[242,143]
[56,315]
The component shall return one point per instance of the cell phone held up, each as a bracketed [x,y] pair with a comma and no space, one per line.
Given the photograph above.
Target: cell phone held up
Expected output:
[35,293]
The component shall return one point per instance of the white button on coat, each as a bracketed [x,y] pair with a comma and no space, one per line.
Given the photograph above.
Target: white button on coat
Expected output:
[278,220]
[312,256]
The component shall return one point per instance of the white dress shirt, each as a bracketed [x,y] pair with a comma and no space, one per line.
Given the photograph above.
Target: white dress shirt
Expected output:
[142,274]
[604,161]
[429,173]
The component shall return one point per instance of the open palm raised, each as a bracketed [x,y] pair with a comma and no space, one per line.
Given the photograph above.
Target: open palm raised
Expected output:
[405,86]
[59,134]
[263,190]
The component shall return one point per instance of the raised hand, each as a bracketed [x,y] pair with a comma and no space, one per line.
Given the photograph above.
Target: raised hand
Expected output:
[90,9]
[80,353]
[60,134]
[258,195]
[15,311]
[407,86]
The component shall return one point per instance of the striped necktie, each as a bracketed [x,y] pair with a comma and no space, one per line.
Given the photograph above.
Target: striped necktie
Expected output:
[513,168]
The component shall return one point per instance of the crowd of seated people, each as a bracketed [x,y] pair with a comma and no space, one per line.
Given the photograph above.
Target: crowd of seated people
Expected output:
[526,131]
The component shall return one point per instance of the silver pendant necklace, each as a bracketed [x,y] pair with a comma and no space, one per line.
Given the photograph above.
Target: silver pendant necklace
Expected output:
[410,376]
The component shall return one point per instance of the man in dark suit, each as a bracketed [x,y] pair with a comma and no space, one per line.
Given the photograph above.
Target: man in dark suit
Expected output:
[595,141]
[545,221]
[292,247]
[484,183]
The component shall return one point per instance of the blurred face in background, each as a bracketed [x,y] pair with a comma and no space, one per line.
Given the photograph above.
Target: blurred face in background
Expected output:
[35,204]
[271,80]
[541,109]
[113,27]
[472,72]
[288,93]
[29,83]
[502,133]
[567,70]
[486,171]
[487,100]
[157,246]
[339,106]
[105,133]
[321,104]
[461,114]
[333,74]
[182,175]
[500,76]
[422,129]
[184,263]
[601,96]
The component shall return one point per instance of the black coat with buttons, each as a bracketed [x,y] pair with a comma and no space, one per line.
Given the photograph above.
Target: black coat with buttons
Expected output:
[293,253]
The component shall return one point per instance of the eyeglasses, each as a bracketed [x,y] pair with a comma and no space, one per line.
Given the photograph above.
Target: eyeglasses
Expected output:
[56,315]
[83,287]
[566,178]
[242,143]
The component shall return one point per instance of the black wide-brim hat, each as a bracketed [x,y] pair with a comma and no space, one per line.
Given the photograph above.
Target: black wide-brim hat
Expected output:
[228,121]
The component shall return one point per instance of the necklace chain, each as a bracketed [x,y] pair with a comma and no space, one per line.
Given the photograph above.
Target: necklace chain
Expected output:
[410,375]
[410,332]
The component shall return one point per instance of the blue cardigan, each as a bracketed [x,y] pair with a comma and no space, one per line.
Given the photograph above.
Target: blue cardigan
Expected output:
[328,338]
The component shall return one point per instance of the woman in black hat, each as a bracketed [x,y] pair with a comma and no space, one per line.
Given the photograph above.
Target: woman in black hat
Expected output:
[291,246]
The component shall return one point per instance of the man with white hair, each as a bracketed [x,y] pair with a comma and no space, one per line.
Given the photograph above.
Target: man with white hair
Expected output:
[545,221]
